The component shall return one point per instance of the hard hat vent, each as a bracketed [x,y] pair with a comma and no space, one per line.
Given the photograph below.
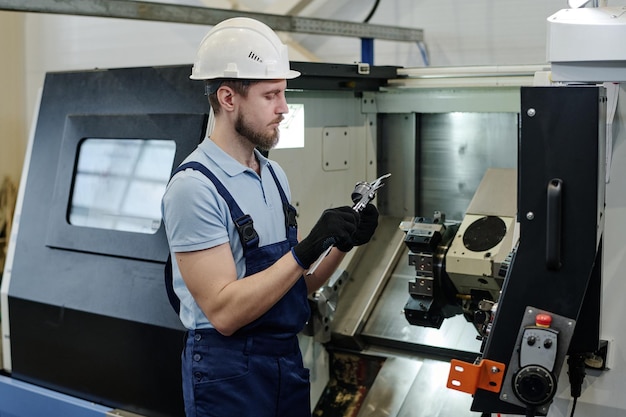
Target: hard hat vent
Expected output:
[255,57]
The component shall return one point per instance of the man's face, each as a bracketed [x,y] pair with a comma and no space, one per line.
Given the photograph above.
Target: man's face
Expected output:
[261,112]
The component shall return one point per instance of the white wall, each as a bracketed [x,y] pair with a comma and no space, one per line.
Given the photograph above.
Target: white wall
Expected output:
[456,33]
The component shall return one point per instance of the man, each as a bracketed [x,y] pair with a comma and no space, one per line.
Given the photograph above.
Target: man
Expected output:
[239,270]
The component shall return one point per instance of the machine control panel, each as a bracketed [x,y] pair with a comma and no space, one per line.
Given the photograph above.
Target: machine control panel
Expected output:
[535,384]
[539,354]
[538,347]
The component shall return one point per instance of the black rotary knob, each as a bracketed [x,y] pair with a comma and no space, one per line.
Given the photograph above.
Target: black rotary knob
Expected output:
[534,385]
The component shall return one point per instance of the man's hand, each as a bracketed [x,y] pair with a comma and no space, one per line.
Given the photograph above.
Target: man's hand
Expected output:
[368,223]
[335,227]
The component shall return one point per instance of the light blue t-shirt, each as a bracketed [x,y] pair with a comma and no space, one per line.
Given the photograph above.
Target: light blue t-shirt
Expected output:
[196,217]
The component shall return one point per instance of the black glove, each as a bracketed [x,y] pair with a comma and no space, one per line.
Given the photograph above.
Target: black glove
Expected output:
[367,225]
[334,227]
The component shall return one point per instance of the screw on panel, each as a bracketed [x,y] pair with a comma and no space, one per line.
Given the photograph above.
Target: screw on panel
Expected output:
[531,112]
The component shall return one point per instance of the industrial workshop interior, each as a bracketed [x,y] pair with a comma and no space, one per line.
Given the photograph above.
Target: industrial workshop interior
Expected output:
[490,135]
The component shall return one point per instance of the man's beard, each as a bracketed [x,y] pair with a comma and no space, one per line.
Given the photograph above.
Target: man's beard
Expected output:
[264,141]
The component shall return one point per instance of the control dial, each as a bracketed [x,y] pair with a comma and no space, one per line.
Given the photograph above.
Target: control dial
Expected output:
[534,385]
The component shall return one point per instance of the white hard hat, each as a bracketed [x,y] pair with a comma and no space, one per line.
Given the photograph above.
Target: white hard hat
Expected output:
[242,48]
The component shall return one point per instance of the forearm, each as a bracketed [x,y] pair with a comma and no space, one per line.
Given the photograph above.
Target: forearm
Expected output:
[244,300]
[230,303]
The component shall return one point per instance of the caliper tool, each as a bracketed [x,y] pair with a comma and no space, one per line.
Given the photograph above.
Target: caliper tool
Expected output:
[363,193]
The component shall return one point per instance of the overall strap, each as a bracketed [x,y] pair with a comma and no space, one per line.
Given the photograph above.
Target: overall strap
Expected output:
[291,225]
[243,222]
[248,236]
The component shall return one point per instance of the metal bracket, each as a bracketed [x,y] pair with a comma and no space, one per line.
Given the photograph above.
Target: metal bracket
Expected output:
[467,377]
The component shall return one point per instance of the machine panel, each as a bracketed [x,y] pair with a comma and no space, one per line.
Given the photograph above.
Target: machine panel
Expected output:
[84,297]
[557,265]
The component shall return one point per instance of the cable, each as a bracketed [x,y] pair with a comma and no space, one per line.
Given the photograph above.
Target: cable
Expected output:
[576,373]
[424,53]
[369,16]
[573,407]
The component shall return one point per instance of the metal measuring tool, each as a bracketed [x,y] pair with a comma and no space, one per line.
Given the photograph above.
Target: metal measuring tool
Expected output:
[363,193]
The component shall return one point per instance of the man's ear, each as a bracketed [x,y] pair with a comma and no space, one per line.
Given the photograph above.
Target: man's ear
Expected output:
[225,96]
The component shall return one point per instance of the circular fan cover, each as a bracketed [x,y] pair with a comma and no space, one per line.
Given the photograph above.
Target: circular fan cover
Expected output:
[484,233]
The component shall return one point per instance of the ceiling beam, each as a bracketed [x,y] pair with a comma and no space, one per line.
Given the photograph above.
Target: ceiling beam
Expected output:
[163,12]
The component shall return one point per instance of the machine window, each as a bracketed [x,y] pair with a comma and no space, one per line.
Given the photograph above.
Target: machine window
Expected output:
[119,183]
[292,128]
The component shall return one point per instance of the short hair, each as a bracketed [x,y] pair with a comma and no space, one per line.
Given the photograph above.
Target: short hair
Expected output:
[240,87]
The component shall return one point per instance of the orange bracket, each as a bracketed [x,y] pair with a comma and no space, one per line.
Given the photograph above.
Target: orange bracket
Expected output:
[467,377]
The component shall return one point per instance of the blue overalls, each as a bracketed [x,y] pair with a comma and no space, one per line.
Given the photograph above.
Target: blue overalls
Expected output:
[258,371]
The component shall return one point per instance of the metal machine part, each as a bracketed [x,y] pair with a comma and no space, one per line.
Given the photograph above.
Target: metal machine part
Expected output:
[486,236]
[421,268]
[369,270]
[568,130]
[485,256]
[460,267]
[431,298]
[323,304]
[581,47]
[540,349]
[557,265]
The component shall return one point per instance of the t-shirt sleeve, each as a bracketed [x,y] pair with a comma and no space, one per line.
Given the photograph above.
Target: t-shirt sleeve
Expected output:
[195,215]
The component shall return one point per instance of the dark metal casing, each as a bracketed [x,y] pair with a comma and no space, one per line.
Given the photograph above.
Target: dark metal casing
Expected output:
[557,266]
[87,307]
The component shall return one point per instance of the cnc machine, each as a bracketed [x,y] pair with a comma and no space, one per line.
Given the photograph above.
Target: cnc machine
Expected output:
[498,234]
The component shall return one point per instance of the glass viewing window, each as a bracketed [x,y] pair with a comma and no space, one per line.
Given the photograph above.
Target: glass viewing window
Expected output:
[292,128]
[119,183]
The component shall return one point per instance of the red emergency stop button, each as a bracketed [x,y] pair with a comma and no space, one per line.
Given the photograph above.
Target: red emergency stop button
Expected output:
[543,320]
